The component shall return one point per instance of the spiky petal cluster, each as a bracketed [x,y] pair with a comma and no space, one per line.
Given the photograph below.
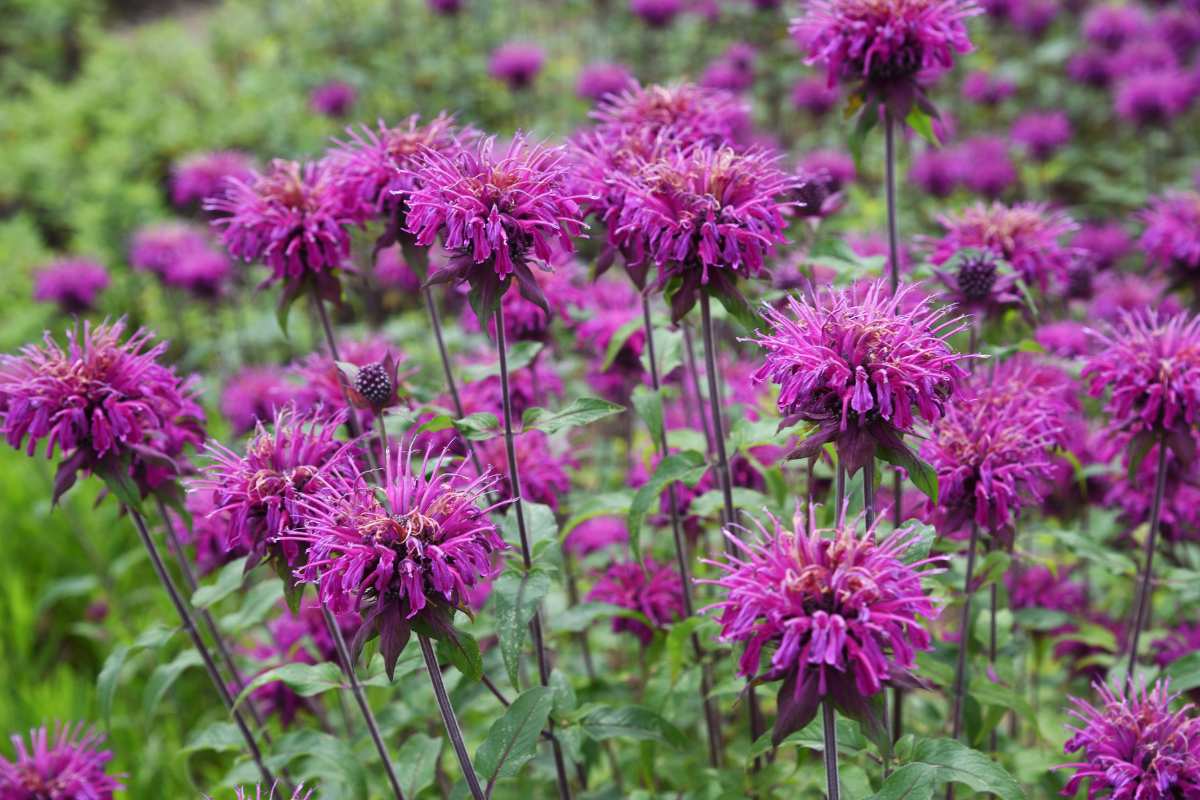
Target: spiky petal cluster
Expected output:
[992,448]
[244,793]
[1151,367]
[417,545]
[516,64]
[708,216]
[333,98]
[71,283]
[293,218]
[263,491]
[105,404]
[882,46]
[545,476]
[255,394]
[1026,235]
[841,610]
[200,176]
[1172,234]
[1134,747]
[862,365]
[71,766]
[652,589]
[495,212]
[681,114]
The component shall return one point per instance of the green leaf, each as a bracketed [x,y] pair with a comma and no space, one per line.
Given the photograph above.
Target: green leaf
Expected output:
[922,474]
[513,738]
[922,123]
[1184,673]
[1040,619]
[217,737]
[858,137]
[632,722]
[479,426]
[106,681]
[307,680]
[123,488]
[581,411]
[649,406]
[604,504]
[520,355]
[850,739]
[228,581]
[164,677]
[712,502]
[540,524]
[936,762]
[687,467]
[678,647]
[739,308]
[260,600]
[514,599]
[416,761]
[618,341]
[463,653]
[922,542]
[78,586]
[582,616]
[326,759]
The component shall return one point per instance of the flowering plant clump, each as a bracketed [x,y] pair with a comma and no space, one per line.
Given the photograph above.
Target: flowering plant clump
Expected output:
[884,48]
[1172,235]
[708,216]
[652,589]
[107,405]
[681,114]
[496,212]
[73,284]
[70,766]
[841,614]
[861,366]
[1134,747]
[407,552]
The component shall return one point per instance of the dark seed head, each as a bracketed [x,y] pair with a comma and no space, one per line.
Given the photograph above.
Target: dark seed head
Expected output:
[374,384]
[976,277]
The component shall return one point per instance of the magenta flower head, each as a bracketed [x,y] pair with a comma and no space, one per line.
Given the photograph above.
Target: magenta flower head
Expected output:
[1150,366]
[1172,235]
[885,48]
[815,96]
[841,612]
[372,167]
[516,64]
[1026,235]
[733,70]
[1133,746]
[988,169]
[1042,134]
[1154,98]
[1111,26]
[69,767]
[324,381]
[333,99]
[496,212]
[207,534]
[986,88]
[199,177]
[707,217]
[446,8]
[410,550]
[158,248]
[108,406]
[600,79]
[862,366]
[243,793]
[978,282]
[263,491]
[653,590]
[544,473]
[992,447]
[1107,243]
[938,171]
[71,283]
[255,394]
[680,114]
[294,219]
[597,533]
[656,13]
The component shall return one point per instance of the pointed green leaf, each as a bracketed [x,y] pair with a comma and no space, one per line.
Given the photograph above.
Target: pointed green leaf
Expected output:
[581,411]
[513,738]
[688,467]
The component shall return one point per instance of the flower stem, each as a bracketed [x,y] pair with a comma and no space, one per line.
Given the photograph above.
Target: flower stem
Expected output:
[448,717]
[711,716]
[514,480]
[869,492]
[435,319]
[352,421]
[189,625]
[1143,596]
[960,670]
[889,152]
[993,738]
[689,352]
[829,720]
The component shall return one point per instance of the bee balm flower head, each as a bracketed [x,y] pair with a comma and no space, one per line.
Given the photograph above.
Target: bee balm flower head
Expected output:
[67,767]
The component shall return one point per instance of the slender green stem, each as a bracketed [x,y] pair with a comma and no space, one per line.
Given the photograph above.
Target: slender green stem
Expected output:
[829,723]
[449,719]
[1143,596]
[964,627]
[889,140]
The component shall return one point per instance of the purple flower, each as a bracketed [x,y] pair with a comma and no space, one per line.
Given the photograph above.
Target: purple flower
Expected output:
[264,491]
[322,385]
[1038,586]
[1179,28]
[1172,235]
[987,88]
[333,99]
[1026,235]
[681,114]
[446,8]
[71,283]
[529,386]
[1154,98]
[1143,55]
[882,46]
[1183,640]
[1064,338]
[69,767]
[208,532]
[1042,134]
[988,169]
[1033,17]
[202,176]
[595,534]
[840,611]
[1091,67]
[1133,746]
[158,248]
[242,793]
[656,13]
[107,405]
[393,272]
[416,545]
[1118,293]
[544,476]
[733,70]
[516,64]
[938,171]
[495,212]
[1110,26]
[1151,366]
[255,394]
[859,367]
[652,589]
[201,273]
[611,307]
[602,78]
[293,218]
[1132,498]
[979,284]
[815,96]
[837,166]
[1105,243]
[708,216]
[991,449]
